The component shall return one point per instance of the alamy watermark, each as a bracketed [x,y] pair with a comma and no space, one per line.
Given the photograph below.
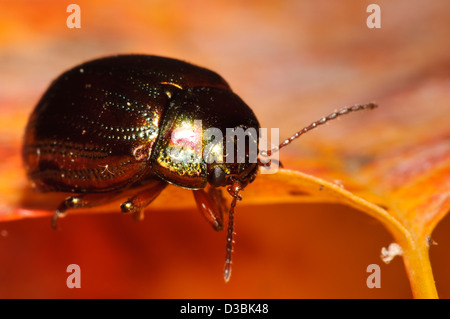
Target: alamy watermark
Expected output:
[189,143]
[74,279]
[73,21]
[373,21]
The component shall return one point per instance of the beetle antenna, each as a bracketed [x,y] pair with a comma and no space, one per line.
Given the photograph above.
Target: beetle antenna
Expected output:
[323,120]
[234,191]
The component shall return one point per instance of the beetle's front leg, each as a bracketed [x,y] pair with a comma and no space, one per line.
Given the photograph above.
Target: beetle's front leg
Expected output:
[212,205]
[138,202]
[81,201]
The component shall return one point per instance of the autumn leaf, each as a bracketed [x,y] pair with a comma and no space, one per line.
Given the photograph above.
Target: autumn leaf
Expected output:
[407,189]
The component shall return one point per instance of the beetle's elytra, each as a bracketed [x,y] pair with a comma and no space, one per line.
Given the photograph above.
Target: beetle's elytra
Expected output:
[108,126]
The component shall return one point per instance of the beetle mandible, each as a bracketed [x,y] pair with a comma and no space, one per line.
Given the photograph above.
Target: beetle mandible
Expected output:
[108,126]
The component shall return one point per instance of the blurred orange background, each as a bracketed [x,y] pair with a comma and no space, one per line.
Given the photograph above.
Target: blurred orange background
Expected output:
[292,62]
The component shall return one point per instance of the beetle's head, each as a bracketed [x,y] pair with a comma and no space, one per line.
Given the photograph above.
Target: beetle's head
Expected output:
[220,175]
[238,163]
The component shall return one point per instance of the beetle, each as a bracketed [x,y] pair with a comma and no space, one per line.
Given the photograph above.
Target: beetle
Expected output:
[128,123]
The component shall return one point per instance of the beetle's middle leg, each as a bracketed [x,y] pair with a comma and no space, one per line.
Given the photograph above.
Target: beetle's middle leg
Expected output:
[212,205]
[82,201]
[142,199]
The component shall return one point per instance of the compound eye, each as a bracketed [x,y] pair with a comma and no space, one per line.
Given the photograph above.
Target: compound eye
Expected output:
[217,177]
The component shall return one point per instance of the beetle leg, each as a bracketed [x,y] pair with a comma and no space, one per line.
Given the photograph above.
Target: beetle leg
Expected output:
[212,205]
[142,199]
[81,201]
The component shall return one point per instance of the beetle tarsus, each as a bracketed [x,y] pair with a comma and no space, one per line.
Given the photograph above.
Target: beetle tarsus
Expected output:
[55,217]
[138,215]
[61,211]
[80,201]
[142,199]
[127,207]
